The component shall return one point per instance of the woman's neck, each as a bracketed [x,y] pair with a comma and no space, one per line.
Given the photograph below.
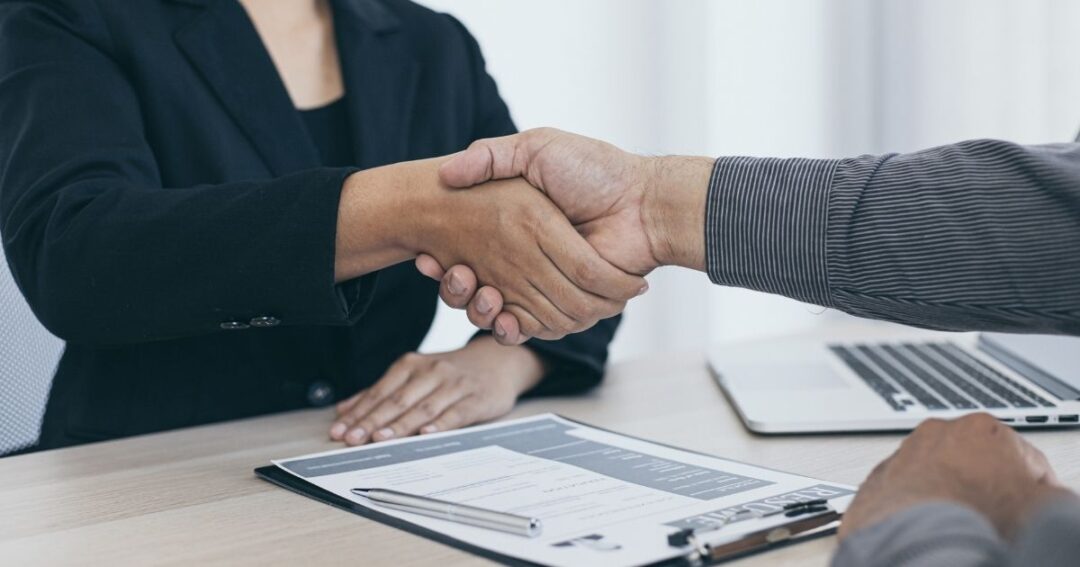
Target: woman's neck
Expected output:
[299,35]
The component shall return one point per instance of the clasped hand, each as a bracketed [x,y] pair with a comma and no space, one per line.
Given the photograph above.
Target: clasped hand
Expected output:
[637,213]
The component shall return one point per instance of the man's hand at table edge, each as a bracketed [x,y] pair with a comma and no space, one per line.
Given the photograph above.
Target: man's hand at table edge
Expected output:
[637,212]
[974,461]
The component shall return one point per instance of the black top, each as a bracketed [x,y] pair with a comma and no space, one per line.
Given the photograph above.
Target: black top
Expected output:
[328,128]
[166,213]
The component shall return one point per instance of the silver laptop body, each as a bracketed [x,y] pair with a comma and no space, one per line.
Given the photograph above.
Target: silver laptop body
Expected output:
[859,383]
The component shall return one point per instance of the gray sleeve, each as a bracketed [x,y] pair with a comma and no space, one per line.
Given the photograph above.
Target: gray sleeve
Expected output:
[1052,537]
[937,534]
[976,235]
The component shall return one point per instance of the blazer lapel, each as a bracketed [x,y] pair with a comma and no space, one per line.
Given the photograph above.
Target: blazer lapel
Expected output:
[224,46]
[381,75]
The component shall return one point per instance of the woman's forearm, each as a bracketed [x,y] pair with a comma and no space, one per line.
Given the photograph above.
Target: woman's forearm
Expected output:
[378,216]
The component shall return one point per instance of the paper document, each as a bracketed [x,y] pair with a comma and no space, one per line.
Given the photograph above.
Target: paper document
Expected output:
[603,498]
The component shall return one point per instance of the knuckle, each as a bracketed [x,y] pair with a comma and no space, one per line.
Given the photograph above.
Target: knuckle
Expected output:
[411,358]
[981,419]
[426,410]
[930,425]
[443,366]
[580,308]
[451,418]
[584,274]
[377,394]
[564,325]
[396,401]
[456,381]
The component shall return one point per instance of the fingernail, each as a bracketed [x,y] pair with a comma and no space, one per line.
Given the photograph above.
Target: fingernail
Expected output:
[356,435]
[337,430]
[643,289]
[483,305]
[428,429]
[384,433]
[456,286]
[499,330]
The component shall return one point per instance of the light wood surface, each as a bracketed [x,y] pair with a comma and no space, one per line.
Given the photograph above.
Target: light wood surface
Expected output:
[189,497]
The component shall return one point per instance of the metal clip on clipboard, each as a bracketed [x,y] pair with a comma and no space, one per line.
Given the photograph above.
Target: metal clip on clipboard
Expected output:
[711,544]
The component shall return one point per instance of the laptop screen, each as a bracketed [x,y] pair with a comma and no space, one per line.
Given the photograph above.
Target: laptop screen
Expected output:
[1052,362]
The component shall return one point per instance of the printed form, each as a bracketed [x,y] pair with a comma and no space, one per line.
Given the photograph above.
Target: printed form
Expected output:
[603,498]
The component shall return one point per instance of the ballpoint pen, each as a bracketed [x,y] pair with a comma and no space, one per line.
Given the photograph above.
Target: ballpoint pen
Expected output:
[460,513]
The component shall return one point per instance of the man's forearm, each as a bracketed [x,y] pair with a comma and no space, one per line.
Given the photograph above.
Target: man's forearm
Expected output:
[977,235]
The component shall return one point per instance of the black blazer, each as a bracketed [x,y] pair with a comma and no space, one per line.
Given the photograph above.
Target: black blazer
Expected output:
[164,212]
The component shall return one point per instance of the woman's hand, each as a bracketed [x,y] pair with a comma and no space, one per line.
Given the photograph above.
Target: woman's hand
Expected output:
[438,392]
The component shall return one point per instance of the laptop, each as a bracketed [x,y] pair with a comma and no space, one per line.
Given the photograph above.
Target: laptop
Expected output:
[816,386]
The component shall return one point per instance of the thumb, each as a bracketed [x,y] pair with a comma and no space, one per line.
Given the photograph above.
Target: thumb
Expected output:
[487,160]
[467,168]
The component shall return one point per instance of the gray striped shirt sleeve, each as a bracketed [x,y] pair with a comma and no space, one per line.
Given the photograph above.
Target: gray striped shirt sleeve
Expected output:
[935,534]
[946,534]
[982,234]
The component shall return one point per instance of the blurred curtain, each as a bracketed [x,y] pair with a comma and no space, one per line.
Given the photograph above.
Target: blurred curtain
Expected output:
[819,78]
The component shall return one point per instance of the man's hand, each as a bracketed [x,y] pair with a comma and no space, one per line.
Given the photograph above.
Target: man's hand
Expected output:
[599,187]
[974,461]
[551,280]
[638,213]
[438,392]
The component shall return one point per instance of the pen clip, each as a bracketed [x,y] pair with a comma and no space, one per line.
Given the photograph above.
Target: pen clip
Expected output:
[708,545]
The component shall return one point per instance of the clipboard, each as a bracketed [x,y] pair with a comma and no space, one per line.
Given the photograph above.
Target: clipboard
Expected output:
[704,549]
[799,530]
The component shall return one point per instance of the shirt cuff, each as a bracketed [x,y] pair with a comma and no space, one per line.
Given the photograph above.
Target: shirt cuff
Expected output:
[930,534]
[1050,537]
[319,300]
[766,221]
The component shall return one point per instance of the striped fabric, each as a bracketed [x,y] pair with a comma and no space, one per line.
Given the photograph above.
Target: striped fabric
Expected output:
[979,235]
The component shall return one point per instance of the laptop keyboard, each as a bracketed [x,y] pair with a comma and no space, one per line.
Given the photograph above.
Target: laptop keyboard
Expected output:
[940,376]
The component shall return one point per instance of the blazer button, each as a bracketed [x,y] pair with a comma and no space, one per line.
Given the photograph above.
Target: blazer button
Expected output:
[234,326]
[265,321]
[320,393]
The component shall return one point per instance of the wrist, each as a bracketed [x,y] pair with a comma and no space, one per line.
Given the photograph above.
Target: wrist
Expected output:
[522,366]
[673,209]
[381,216]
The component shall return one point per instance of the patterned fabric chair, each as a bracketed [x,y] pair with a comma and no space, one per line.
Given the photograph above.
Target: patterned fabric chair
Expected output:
[28,357]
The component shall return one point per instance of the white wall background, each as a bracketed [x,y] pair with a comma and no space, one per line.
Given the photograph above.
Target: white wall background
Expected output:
[762,77]
[818,78]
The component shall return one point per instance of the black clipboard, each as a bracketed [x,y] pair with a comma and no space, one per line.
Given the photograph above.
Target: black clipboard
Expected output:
[277,476]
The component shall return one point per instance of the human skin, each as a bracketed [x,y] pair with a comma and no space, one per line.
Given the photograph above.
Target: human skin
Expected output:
[391,214]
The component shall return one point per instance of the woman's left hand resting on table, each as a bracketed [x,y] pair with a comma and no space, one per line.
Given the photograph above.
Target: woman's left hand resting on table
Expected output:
[427,393]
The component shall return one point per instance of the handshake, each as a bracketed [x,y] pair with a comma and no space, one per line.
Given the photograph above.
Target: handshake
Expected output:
[569,228]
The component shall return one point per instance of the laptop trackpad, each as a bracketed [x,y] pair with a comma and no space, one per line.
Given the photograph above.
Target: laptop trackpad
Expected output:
[788,377]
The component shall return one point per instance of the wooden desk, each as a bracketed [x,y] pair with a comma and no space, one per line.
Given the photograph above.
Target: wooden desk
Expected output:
[189,497]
